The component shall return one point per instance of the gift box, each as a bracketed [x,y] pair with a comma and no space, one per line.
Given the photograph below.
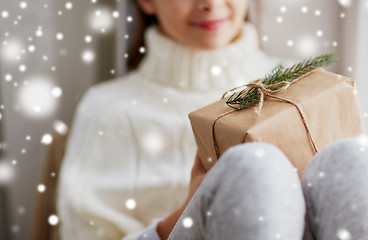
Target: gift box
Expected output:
[318,109]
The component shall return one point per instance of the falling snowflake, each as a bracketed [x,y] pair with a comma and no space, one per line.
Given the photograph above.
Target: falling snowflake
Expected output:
[343,234]
[5,14]
[56,92]
[11,50]
[68,5]
[283,9]
[307,45]
[319,33]
[153,141]
[216,70]
[39,32]
[60,127]
[36,97]
[41,188]
[290,43]
[187,222]
[259,152]
[21,210]
[363,140]
[88,56]
[22,68]
[88,39]
[31,48]
[59,36]
[15,228]
[115,14]
[130,203]
[101,19]
[142,50]
[6,173]
[23,5]
[345,3]
[304,9]
[8,77]
[53,220]
[46,139]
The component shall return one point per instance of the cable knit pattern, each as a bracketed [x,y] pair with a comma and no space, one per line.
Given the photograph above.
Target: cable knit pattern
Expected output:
[131,148]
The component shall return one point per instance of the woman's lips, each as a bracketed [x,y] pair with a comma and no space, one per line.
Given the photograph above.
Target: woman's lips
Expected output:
[210,25]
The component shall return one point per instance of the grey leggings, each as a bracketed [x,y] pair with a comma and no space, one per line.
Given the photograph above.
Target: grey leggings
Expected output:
[254,193]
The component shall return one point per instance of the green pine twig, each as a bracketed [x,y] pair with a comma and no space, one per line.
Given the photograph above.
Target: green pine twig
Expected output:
[279,74]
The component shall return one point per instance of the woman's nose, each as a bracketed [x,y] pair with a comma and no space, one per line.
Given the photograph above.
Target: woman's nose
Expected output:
[208,5]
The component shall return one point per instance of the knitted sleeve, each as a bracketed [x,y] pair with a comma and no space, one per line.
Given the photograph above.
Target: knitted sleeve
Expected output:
[150,233]
[97,175]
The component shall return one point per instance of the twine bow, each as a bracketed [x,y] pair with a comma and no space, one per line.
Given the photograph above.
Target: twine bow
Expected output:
[266,90]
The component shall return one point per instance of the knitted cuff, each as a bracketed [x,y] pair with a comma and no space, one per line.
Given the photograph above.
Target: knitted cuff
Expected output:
[150,233]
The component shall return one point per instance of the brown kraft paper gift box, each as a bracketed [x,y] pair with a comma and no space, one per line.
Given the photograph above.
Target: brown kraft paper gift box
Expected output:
[328,102]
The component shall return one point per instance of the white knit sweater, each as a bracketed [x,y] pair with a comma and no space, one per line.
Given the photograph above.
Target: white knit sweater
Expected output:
[131,149]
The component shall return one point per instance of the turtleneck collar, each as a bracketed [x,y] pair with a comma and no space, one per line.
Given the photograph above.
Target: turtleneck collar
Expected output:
[170,63]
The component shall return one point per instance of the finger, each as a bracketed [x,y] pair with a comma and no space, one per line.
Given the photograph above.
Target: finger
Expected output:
[198,164]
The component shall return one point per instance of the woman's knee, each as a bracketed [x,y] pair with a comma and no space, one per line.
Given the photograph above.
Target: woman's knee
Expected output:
[334,182]
[339,157]
[258,157]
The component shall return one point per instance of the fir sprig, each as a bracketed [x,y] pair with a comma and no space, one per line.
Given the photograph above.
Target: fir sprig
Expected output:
[279,74]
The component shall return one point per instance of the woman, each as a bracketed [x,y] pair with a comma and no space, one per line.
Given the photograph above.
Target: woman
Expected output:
[131,149]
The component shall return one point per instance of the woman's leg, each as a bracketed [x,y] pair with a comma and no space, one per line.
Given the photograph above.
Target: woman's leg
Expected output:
[253,192]
[335,186]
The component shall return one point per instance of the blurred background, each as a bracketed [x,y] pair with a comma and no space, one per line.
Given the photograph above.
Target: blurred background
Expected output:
[51,51]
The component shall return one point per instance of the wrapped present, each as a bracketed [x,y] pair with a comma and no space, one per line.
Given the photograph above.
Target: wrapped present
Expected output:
[301,118]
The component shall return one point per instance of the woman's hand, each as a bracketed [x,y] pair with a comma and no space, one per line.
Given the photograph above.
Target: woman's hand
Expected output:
[197,175]
[165,226]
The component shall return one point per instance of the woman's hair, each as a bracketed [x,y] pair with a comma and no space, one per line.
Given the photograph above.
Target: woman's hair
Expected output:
[136,38]
[136,30]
